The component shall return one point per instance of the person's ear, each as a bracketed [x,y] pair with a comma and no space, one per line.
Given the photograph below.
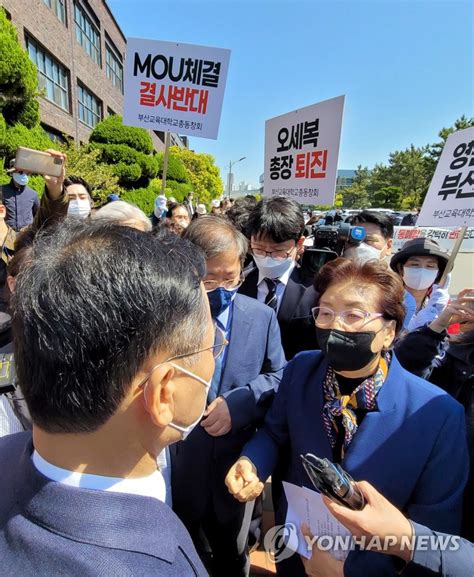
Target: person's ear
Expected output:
[11,283]
[158,395]
[3,211]
[389,246]
[300,247]
[389,334]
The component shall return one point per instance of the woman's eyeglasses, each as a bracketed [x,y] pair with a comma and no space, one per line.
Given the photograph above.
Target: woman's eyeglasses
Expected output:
[354,319]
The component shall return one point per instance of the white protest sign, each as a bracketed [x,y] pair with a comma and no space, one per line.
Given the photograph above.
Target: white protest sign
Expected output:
[450,198]
[174,87]
[445,237]
[301,152]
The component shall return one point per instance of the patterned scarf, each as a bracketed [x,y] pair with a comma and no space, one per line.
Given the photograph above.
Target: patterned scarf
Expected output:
[363,397]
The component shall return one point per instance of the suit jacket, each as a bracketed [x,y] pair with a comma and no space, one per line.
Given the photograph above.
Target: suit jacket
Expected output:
[49,529]
[251,375]
[412,449]
[298,332]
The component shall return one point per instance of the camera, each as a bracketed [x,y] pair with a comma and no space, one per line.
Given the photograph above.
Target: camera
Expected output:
[331,480]
[329,242]
[335,237]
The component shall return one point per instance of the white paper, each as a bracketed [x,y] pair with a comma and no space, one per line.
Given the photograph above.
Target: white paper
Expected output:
[306,506]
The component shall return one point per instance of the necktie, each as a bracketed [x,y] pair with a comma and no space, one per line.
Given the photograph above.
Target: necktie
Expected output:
[216,377]
[271,299]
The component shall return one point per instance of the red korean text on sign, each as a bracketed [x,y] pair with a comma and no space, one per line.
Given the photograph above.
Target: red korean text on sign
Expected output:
[174,97]
[311,164]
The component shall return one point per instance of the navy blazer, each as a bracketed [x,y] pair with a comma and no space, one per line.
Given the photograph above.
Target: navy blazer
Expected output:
[297,327]
[252,373]
[412,449]
[48,529]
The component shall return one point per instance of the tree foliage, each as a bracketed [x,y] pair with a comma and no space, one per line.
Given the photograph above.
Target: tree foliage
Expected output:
[403,182]
[18,78]
[204,175]
[111,130]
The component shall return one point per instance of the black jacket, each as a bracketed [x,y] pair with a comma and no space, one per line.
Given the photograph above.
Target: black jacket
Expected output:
[450,366]
[297,327]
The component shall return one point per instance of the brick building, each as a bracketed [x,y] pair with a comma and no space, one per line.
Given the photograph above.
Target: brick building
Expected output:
[79,50]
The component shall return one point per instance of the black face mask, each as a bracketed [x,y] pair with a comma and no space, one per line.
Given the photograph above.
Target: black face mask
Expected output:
[346,351]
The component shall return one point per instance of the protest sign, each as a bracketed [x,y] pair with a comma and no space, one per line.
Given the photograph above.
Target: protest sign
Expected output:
[172,87]
[301,152]
[445,237]
[450,198]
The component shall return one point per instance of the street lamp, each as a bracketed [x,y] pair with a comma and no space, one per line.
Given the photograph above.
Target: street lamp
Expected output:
[229,176]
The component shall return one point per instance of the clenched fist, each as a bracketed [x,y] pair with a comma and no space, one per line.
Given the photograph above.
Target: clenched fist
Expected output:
[242,481]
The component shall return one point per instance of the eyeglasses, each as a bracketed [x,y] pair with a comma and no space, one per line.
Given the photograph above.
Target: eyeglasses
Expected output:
[211,285]
[220,343]
[354,319]
[275,254]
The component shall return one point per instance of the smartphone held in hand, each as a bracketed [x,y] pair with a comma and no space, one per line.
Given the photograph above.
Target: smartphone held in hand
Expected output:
[38,162]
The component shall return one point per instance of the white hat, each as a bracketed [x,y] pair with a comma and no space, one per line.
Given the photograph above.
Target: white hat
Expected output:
[216,203]
[201,209]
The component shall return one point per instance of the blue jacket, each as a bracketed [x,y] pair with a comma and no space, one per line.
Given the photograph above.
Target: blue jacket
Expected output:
[413,449]
[456,561]
[49,529]
[253,369]
[21,203]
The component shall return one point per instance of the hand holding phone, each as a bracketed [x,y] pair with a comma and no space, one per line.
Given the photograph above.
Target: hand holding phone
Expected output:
[38,162]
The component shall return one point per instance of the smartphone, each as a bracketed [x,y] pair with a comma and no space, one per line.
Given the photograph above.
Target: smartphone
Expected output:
[38,162]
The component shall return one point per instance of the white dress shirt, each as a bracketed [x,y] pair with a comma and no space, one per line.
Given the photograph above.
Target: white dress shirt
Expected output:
[262,288]
[151,486]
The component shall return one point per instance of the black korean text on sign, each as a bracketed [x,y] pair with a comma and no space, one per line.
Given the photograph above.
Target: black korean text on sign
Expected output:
[280,167]
[298,136]
[455,184]
[195,71]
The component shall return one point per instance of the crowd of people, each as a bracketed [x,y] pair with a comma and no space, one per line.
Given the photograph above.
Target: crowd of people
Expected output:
[158,369]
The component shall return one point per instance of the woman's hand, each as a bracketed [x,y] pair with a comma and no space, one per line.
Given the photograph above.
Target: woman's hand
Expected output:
[243,482]
[379,518]
[458,311]
[322,563]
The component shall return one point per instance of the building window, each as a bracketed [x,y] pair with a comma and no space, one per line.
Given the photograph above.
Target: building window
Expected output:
[110,112]
[113,67]
[90,107]
[87,34]
[53,78]
[58,7]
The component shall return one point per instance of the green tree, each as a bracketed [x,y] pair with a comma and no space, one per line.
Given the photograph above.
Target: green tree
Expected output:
[357,195]
[85,162]
[18,79]
[408,170]
[204,175]
[127,149]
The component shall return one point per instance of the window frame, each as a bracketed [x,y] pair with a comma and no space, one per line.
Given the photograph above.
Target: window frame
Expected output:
[86,107]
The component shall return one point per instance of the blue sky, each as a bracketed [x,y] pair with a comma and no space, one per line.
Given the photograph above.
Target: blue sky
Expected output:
[406,67]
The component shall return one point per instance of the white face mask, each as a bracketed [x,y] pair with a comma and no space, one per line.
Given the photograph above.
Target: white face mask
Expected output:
[419,278]
[186,431]
[363,252]
[272,268]
[79,208]
[20,179]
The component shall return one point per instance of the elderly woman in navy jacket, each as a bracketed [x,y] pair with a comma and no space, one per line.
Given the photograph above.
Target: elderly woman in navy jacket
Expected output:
[353,403]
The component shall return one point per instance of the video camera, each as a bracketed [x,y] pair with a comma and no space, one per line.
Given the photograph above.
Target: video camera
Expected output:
[329,242]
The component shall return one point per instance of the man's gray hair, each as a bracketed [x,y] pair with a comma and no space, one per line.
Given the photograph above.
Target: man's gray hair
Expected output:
[124,212]
[214,235]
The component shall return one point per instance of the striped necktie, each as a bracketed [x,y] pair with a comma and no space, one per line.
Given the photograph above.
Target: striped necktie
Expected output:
[271,299]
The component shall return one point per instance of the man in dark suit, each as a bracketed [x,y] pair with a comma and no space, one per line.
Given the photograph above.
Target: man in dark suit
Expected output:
[188,203]
[275,228]
[115,352]
[242,388]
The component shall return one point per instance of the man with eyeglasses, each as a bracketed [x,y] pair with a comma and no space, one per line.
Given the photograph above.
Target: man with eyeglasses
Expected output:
[275,228]
[114,347]
[245,379]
